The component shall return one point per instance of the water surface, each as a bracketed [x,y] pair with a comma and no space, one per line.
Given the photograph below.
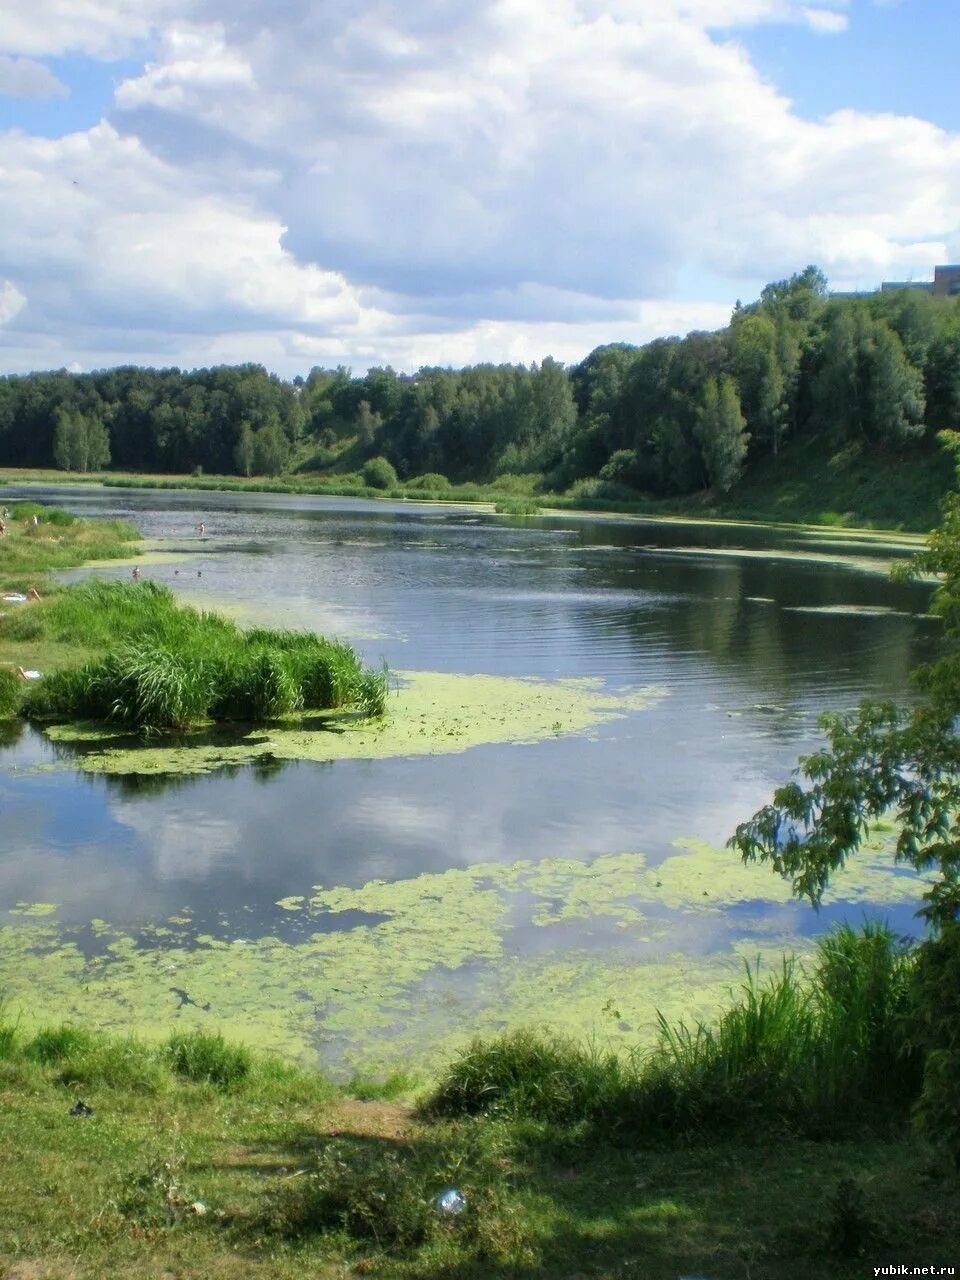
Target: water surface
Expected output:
[751,631]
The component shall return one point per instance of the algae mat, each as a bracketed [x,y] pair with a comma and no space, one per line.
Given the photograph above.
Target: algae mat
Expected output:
[429,713]
[400,974]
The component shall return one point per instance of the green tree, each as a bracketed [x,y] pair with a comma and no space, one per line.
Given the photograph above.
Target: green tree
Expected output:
[760,379]
[379,474]
[81,442]
[68,441]
[894,390]
[943,382]
[245,452]
[866,387]
[722,434]
[271,450]
[98,445]
[367,425]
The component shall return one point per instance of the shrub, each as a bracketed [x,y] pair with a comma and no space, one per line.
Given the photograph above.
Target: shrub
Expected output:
[622,468]
[378,473]
[531,1073]
[935,1030]
[430,481]
[850,1226]
[373,1193]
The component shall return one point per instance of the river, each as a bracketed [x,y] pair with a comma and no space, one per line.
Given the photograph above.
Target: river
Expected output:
[363,913]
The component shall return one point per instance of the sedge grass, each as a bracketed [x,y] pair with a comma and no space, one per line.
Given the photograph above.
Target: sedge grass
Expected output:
[174,667]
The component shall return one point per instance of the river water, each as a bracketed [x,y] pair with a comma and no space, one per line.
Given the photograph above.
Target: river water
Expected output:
[749,633]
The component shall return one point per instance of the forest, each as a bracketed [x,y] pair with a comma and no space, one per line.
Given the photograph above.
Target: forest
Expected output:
[672,417]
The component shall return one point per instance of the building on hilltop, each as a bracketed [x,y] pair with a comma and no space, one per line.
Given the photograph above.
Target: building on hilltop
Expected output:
[945,284]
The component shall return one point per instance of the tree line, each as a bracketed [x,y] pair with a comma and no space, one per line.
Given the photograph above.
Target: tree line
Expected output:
[669,418]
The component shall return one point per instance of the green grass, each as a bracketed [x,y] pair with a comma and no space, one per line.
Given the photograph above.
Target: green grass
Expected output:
[11,691]
[789,1053]
[517,507]
[59,541]
[204,1160]
[173,667]
[812,481]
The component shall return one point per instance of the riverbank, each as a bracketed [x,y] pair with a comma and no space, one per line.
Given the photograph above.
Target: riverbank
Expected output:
[195,1157]
[808,483]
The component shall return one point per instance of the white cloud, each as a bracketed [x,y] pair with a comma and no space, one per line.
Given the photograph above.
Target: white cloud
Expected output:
[27,78]
[444,181]
[826,21]
[101,28]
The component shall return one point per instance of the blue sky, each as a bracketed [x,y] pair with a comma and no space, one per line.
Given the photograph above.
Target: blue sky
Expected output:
[302,182]
[894,57]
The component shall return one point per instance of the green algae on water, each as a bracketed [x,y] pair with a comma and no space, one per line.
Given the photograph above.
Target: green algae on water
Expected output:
[442,956]
[429,714]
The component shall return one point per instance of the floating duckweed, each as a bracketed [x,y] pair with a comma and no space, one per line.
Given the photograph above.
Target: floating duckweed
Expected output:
[446,954]
[434,714]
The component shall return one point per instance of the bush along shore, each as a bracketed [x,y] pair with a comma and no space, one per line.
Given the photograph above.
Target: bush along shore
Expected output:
[153,665]
[774,1144]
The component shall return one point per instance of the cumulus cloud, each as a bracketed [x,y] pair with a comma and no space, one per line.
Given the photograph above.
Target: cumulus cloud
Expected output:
[27,78]
[450,180]
[101,28]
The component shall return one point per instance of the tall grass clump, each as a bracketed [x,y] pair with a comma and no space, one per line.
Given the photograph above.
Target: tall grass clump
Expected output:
[808,1052]
[537,1074]
[517,507]
[206,1058]
[10,692]
[9,1033]
[169,667]
[862,989]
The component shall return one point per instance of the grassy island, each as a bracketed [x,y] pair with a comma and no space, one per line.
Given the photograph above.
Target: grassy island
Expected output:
[129,653]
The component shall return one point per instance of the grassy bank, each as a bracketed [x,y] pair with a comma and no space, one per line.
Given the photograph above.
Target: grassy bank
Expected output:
[58,540]
[29,553]
[127,652]
[811,482]
[202,1160]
